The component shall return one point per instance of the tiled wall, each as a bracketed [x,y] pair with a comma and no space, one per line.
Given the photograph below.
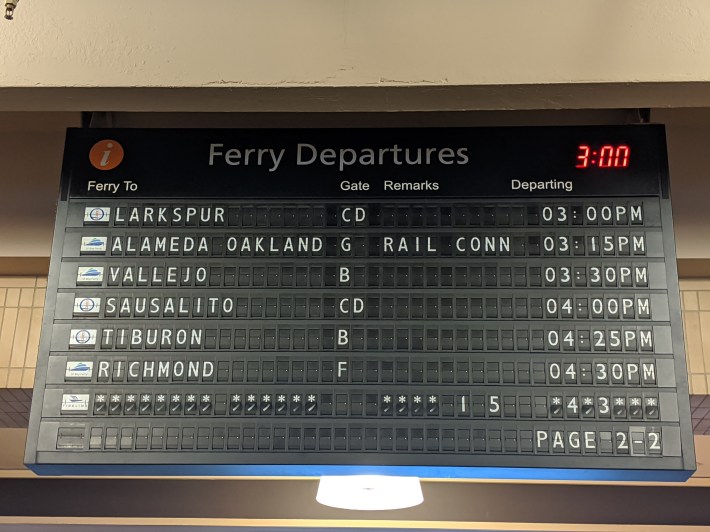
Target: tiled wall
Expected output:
[695,301]
[22,298]
[21,305]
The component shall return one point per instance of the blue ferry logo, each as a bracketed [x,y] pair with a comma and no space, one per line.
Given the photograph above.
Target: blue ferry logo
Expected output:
[79,370]
[97,215]
[90,275]
[93,244]
[75,402]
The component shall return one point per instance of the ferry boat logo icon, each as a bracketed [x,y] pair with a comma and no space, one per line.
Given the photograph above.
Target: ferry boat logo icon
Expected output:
[82,338]
[93,244]
[79,370]
[89,275]
[87,306]
[97,214]
[75,402]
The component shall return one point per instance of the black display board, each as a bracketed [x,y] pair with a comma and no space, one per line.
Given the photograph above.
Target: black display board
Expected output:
[455,302]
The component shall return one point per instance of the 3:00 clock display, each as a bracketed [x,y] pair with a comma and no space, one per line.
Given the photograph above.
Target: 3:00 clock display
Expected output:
[607,156]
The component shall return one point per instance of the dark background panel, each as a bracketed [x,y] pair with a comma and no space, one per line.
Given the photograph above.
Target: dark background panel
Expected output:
[169,163]
[174,166]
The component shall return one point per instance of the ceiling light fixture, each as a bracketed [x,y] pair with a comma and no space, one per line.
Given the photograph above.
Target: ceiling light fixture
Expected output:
[10,6]
[369,492]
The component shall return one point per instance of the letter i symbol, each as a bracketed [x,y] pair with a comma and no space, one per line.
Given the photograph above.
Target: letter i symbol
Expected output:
[106,154]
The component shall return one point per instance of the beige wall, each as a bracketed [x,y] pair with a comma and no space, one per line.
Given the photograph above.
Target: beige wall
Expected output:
[31,147]
[473,54]
[29,174]
[688,137]
[238,43]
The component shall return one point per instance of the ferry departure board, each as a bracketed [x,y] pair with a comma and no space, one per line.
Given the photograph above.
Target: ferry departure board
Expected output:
[454,302]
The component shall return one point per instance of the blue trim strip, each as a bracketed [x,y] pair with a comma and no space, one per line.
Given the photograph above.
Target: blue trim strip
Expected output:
[504,473]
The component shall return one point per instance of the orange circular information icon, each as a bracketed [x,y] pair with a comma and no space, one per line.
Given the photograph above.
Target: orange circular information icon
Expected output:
[106,154]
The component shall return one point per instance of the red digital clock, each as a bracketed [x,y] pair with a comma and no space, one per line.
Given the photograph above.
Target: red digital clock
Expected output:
[607,156]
